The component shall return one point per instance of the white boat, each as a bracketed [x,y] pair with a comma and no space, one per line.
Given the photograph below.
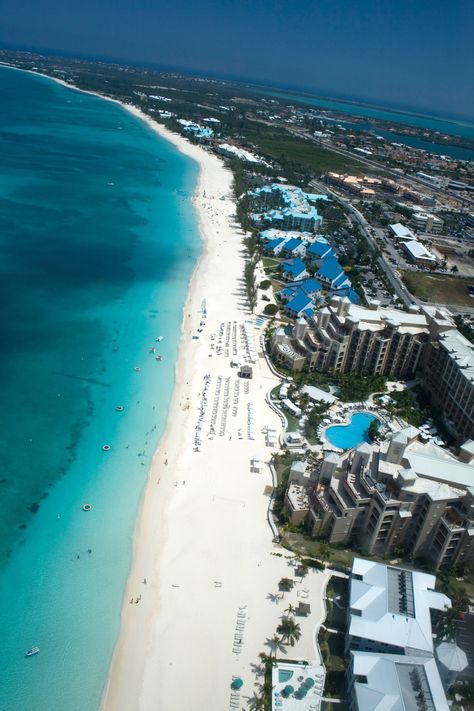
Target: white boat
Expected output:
[160,338]
[31,652]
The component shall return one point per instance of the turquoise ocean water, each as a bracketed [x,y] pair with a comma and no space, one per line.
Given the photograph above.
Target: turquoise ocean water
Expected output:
[98,242]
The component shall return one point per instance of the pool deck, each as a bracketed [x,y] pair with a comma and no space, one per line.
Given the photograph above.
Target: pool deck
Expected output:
[301,672]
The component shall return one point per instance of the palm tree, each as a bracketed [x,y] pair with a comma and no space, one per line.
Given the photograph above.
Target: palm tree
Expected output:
[256,702]
[275,644]
[290,610]
[289,630]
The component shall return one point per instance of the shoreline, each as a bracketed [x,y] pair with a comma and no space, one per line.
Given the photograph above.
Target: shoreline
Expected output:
[202,546]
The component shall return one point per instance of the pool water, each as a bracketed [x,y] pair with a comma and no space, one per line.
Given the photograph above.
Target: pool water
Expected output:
[284,675]
[348,436]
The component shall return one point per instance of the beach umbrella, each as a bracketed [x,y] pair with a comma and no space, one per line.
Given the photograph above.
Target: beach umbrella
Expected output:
[289,689]
[237,683]
[309,682]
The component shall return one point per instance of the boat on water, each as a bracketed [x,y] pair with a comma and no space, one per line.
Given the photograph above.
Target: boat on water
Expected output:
[159,338]
[159,357]
[31,652]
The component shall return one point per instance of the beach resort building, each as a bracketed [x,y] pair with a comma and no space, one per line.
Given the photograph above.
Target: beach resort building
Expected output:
[346,337]
[390,609]
[448,376]
[422,342]
[394,663]
[229,150]
[286,207]
[398,493]
[394,681]
[195,129]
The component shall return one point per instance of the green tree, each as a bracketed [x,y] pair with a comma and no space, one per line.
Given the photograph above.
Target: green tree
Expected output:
[289,630]
[446,627]
[270,310]
[373,431]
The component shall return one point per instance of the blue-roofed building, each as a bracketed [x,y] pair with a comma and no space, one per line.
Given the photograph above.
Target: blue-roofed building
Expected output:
[319,250]
[288,293]
[286,207]
[198,131]
[274,246]
[310,286]
[351,294]
[294,248]
[298,304]
[294,269]
[332,275]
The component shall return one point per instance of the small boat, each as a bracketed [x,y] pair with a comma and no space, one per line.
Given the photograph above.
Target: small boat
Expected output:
[160,338]
[152,350]
[31,652]
[159,357]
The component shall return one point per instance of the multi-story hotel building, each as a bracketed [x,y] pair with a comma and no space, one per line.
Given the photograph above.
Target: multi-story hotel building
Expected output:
[384,341]
[400,493]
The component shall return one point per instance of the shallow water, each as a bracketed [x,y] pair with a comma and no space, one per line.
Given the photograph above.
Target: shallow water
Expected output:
[98,241]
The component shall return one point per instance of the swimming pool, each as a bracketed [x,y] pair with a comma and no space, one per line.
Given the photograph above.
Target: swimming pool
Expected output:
[347,436]
[284,675]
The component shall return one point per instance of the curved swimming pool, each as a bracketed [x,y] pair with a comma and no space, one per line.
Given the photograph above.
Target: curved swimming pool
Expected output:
[352,434]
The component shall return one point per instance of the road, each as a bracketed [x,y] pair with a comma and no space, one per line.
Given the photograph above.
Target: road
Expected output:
[398,287]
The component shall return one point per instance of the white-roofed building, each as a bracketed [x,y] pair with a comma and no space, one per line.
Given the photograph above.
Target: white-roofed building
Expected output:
[400,232]
[427,222]
[390,682]
[418,253]
[389,609]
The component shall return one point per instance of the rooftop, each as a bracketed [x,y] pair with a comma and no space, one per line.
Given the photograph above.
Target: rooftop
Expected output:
[393,682]
[392,606]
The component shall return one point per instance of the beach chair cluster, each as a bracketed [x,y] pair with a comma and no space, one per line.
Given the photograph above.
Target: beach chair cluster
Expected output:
[239,630]
[225,407]
[250,421]
[202,412]
[215,407]
[235,402]
[248,343]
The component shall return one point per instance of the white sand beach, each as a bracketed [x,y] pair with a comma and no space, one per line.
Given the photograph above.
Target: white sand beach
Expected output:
[203,543]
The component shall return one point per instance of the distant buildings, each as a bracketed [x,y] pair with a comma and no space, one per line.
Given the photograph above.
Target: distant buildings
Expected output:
[427,222]
[198,131]
[419,254]
[231,151]
[364,186]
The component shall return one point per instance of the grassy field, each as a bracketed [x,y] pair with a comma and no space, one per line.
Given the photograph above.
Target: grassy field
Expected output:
[281,146]
[437,288]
